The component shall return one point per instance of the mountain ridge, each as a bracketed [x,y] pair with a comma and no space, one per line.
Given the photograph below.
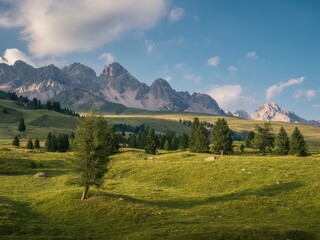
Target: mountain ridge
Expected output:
[114,84]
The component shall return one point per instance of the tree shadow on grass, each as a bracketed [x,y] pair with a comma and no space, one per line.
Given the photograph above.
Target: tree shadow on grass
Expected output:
[265,191]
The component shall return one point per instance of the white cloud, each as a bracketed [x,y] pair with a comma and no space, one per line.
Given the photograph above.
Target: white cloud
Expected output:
[231,96]
[192,77]
[150,45]
[251,55]
[11,55]
[168,78]
[179,65]
[176,14]
[232,69]
[214,61]
[108,57]
[276,90]
[57,27]
[310,94]
[316,105]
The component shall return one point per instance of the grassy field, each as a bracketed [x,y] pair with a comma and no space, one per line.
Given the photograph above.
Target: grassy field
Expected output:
[174,195]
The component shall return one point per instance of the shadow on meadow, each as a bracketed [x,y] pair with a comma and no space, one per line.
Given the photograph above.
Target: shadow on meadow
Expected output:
[265,191]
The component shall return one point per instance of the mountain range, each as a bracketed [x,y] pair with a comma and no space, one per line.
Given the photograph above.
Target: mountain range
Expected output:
[114,85]
[115,90]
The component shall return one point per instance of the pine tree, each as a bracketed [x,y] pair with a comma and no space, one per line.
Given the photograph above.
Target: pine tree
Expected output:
[72,135]
[37,143]
[30,144]
[5,111]
[22,126]
[199,137]
[249,140]
[49,143]
[54,143]
[264,138]
[166,146]
[184,141]
[92,151]
[242,147]
[298,145]
[174,144]
[282,142]
[221,137]
[150,147]
[16,141]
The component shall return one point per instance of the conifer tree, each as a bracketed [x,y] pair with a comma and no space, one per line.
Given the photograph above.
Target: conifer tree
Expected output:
[249,140]
[37,143]
[92,151]
[16,141]
[221,137]
[151,146]
[184,141]
[49,143]
[282,142]
[166,146]
[5,111]
[22,126]
[174,144]
[199,137]
[242,147]
[298,145]
[264,138]
[30,144]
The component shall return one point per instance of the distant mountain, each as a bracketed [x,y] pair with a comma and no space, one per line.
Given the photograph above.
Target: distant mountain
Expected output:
[273,112]
[81,100]
[240,114]
[115,84]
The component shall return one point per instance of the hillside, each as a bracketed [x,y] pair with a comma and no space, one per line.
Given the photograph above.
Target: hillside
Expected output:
[39,122]
[175,195]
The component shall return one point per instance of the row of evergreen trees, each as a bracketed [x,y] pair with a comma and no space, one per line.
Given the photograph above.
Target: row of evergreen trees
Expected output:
[264,140]
[58,143]
[30,143]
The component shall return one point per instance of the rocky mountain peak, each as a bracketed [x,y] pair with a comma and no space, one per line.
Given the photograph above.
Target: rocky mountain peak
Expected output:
[79,70]
[161,83]
[114,70]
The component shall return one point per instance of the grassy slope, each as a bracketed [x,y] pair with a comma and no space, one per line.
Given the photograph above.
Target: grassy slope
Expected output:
[38,122]
[175,195]
[311,133]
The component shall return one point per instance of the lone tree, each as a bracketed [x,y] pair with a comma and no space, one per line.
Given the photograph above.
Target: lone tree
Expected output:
[298,145]
[221,137]
[184,141]
[37,143]
[151,146]
[249,140]
[22,126]
[92,147]
[30,144]
[16,141]
[199,142]
[282,142]
[264,138]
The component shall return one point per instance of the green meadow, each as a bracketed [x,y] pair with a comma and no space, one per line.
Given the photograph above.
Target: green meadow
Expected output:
[171,195]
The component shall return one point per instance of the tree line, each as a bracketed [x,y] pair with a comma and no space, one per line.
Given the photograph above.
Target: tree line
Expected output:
[36,103]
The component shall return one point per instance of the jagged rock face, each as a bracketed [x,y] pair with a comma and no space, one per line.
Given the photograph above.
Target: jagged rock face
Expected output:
[115,84]
[240,114]
[273,112]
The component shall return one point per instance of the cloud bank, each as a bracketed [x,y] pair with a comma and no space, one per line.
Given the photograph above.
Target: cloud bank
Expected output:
[275,90]
[57,27]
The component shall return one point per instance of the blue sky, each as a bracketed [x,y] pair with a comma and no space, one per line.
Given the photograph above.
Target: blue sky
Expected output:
[243,53]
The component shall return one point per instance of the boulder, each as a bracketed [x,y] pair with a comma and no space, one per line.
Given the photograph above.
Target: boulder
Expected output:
[41,174]
[211,158]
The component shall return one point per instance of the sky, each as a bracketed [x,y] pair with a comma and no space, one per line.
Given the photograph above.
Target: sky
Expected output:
[242,53]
